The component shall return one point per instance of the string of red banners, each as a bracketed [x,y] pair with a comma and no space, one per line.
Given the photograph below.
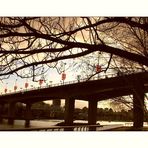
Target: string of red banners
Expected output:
[41,81]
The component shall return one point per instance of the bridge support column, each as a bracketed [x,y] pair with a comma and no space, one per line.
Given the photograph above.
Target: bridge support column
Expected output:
[69,112]
[28,114]
[138,106]
[1,110]
[92,114]
[11,113]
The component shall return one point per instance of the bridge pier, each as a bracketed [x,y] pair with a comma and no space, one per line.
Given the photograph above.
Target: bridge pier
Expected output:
[92,113]
[1,109]
[11,113]
[28,114]
[138,106]
[69,112]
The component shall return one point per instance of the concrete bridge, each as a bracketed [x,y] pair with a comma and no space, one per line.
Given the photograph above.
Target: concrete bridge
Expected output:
[92,91]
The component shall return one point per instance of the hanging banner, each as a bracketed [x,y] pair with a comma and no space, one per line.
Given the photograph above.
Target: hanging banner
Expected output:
[26,85]
[41,82]
[5,90]
[15,87]
[63,76]
[98,68]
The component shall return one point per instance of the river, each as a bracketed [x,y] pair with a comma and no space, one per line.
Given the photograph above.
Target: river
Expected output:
[50,123]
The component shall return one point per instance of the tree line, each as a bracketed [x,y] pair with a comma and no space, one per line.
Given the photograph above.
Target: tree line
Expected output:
[42,110]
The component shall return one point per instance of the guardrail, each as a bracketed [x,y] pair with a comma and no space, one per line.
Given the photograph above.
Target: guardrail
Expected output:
[128,124]
[61,84]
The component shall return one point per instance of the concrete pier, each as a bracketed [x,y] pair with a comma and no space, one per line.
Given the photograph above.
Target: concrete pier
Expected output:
[1,109]
[69,112]
[138,106]
[28,115]
[11,113]
[92,113]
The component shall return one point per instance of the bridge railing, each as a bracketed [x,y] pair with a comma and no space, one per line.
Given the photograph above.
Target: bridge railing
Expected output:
[62,83]
[56,128]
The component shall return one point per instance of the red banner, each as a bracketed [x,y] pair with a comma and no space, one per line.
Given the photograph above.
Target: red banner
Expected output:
[63,76]
[98,68]
[26,85]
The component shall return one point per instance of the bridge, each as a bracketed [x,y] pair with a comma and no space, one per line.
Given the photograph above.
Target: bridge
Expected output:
[92,91]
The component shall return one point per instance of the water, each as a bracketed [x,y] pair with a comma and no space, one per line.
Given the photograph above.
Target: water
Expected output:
[50,123]
[33,123]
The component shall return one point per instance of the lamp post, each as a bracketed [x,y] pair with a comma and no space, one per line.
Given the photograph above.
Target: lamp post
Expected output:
[50,83]
[78,78]
[63,73]
[98,67]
